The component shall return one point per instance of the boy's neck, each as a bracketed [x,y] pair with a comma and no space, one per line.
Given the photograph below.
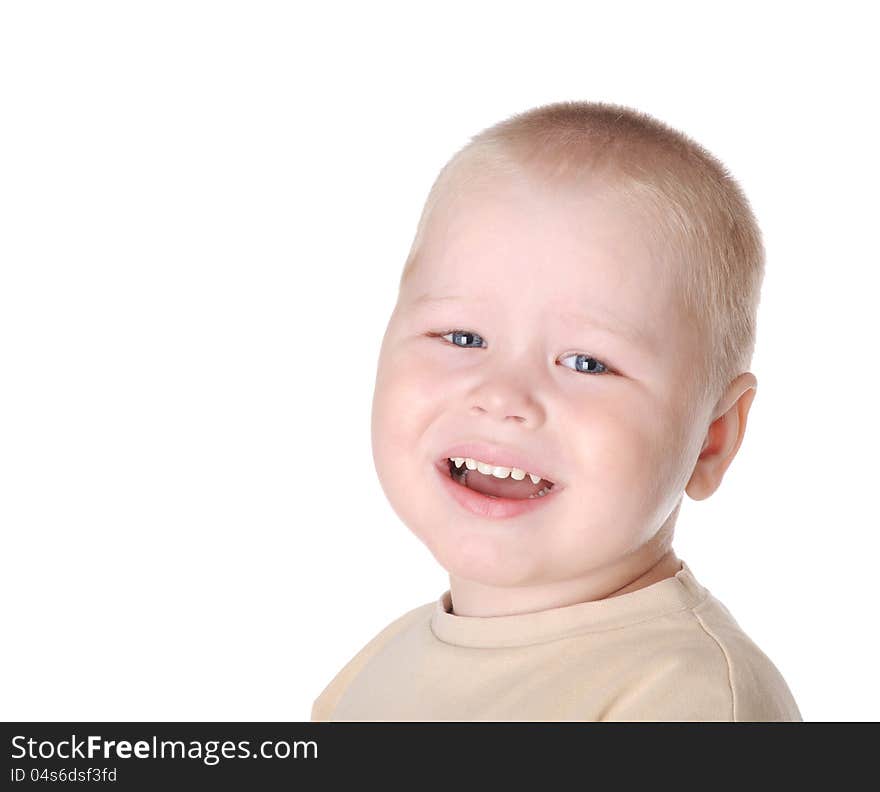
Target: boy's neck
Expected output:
[636,572]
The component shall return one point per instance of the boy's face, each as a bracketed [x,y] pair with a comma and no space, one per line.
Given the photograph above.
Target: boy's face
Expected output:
[531,267]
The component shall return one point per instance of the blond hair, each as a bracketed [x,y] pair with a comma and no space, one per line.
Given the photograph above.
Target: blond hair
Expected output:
[700,214]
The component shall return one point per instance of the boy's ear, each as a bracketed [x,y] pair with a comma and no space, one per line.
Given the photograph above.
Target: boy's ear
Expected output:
[723,437]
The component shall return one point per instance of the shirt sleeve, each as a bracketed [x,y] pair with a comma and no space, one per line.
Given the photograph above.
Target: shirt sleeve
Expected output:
[719,674]
[325,703]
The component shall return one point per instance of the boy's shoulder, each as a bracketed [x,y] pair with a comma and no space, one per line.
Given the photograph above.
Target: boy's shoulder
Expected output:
[758,690]
[329,697]
[702,666]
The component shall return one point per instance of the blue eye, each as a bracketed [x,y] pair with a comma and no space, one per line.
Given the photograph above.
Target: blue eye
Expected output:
[459,334]
[580,360]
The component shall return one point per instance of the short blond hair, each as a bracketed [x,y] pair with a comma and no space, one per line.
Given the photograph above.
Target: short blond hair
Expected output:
[701,215]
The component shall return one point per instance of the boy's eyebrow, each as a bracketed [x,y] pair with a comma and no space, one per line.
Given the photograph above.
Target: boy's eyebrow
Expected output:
[635,335]
[427,297]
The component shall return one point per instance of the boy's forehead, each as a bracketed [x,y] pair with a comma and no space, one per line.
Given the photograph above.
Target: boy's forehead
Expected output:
[577,258]
[552,226]
[505,240]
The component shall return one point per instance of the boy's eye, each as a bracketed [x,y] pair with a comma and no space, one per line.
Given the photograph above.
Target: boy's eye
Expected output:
[458,334]
[581,362]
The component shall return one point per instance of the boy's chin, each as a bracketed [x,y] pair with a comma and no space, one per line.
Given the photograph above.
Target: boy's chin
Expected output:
[484,568]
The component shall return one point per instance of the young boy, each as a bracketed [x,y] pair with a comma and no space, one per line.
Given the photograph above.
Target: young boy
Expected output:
[568,356]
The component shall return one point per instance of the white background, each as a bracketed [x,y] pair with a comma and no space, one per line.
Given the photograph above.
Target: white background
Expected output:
[204,211]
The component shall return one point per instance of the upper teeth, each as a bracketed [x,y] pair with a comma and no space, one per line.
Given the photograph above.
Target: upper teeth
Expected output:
[494,470]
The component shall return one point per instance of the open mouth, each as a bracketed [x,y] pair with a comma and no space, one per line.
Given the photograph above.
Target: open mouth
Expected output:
[490,486]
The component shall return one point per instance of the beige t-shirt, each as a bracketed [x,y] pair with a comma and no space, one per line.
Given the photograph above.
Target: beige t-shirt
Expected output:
[666,652]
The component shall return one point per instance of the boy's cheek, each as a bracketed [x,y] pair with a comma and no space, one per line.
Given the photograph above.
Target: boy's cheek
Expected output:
[401,418]
[409,393]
